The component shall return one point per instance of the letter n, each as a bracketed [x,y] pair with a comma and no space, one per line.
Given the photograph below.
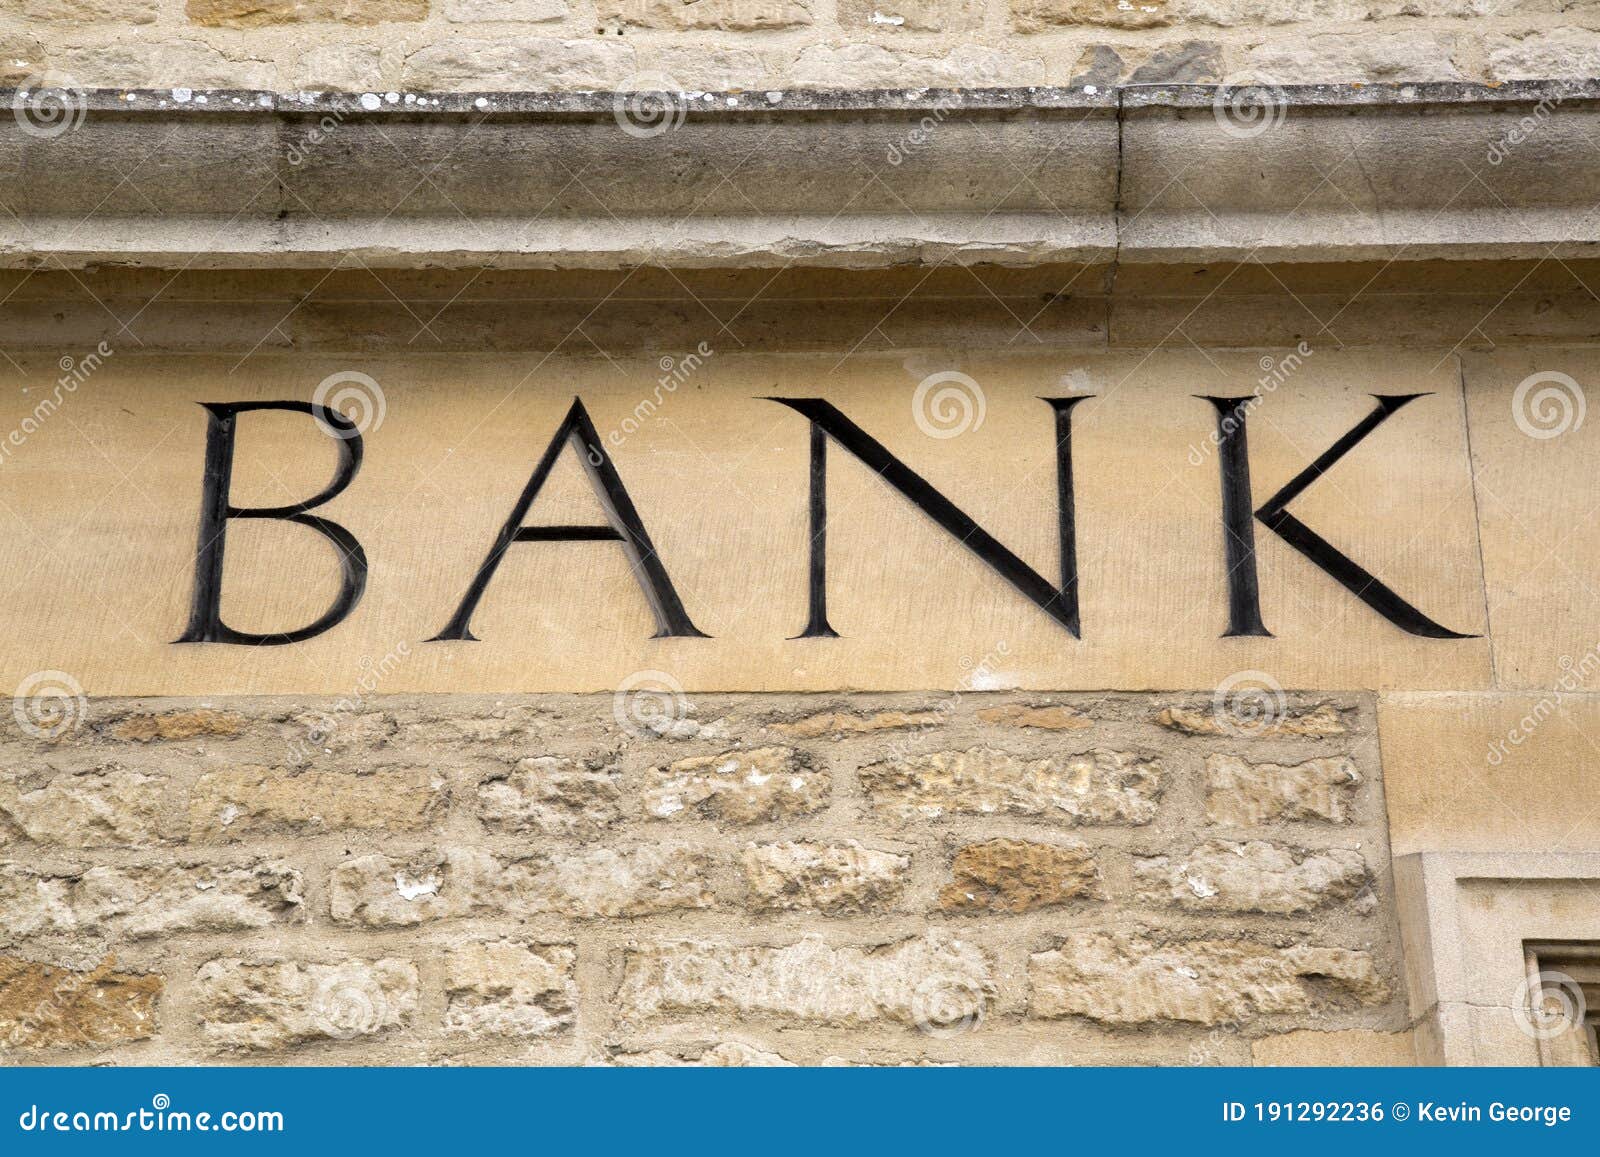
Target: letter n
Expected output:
[1060,603]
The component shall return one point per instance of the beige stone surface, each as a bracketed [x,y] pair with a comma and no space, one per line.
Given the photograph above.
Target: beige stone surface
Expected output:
[759,44]
[1242,794]
[553,796]
[933,981]
[1530,441]
[725,1055]
[147,901]
[840,723]
[1255,876]
[97,809]
[1321,721]
[1323,56]
[91,11]
[1047,718]
[1489,938]
[719,15]
[202,724]
[551,918]
[379,891]
[508,988]
[536,63]
[234,803]
[911,15]
[511,11]
[1351,1048]
[1123,978]
[1491,773]
[831,878]
[274,1004]
[767,783]
[252,13]
[1096,787]
[1032,15]
[922,612]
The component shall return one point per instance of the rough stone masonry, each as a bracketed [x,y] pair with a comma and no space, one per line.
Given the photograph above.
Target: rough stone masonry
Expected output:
[502,45]
[755,879]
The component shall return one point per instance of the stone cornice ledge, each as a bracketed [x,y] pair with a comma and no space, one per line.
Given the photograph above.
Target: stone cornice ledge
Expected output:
[1163,173]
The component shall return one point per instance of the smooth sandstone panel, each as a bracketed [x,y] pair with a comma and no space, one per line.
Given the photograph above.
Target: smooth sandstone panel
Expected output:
[1353,1047]
[1491,772]
[1536,454]
[102,497]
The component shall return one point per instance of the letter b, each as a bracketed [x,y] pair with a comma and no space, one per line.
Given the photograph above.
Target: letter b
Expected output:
[205,609]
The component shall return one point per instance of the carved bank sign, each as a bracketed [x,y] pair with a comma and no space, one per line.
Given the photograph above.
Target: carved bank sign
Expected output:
[624,526]
[765,523]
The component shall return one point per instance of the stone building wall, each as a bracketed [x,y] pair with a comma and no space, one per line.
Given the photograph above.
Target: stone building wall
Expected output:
[1343,832]
[926,878]
[423,45]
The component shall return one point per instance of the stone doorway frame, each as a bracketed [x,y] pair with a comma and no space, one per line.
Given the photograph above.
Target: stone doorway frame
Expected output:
[1476,929]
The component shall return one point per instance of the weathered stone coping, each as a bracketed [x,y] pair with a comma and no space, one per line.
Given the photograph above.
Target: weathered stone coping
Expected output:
[859,179]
